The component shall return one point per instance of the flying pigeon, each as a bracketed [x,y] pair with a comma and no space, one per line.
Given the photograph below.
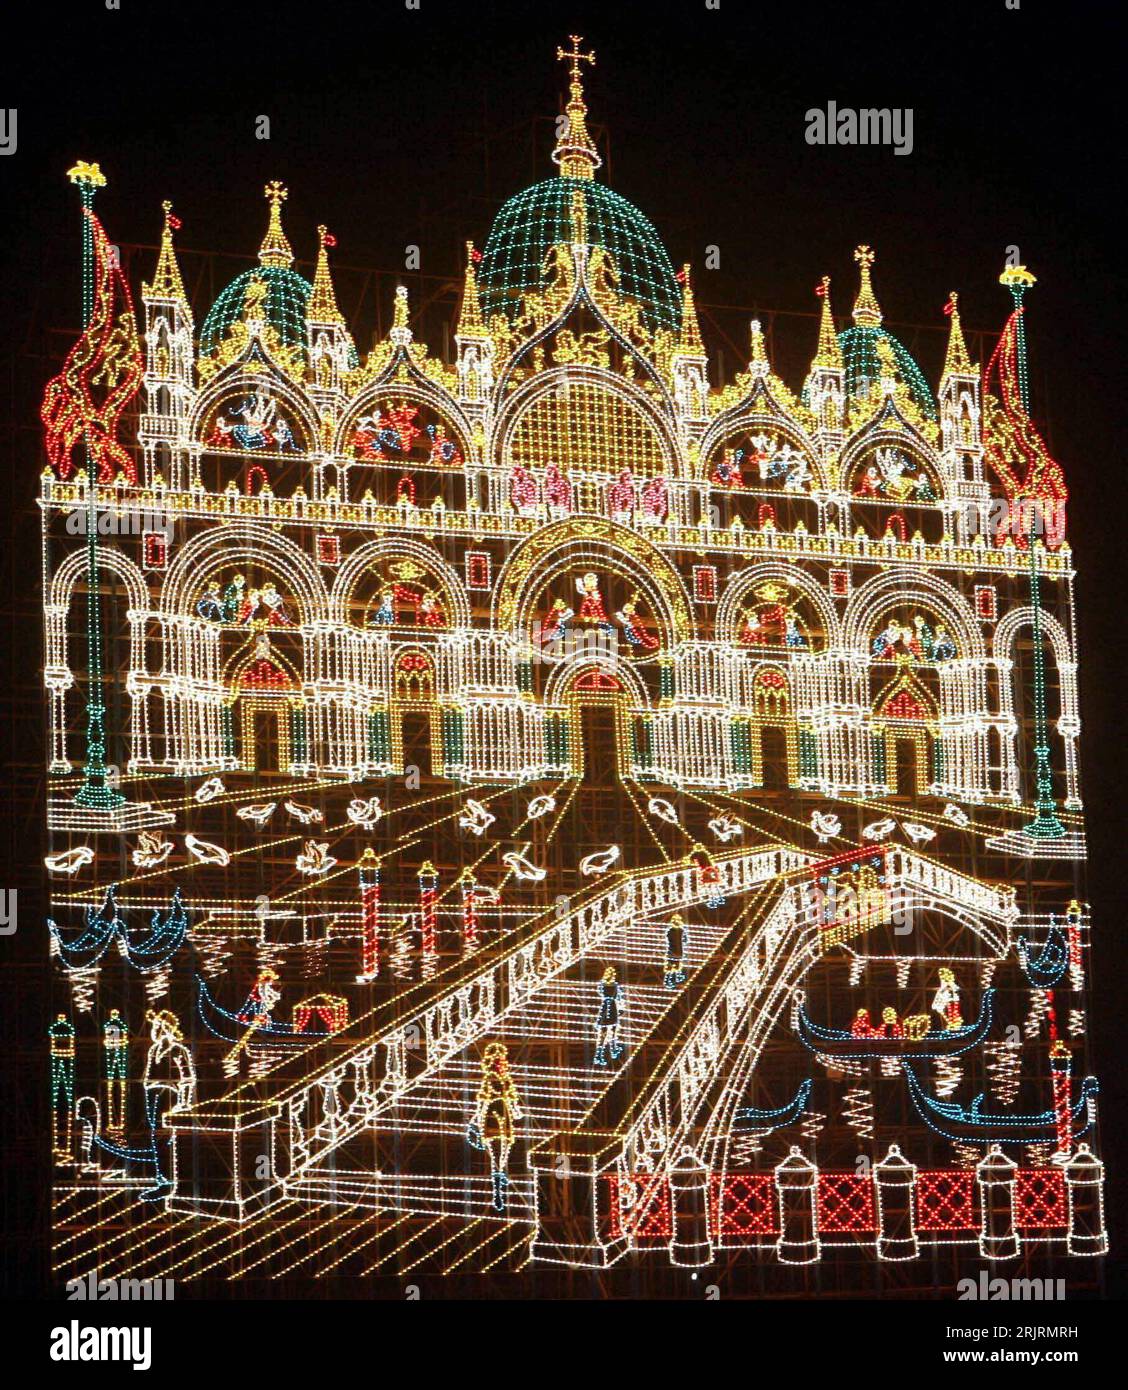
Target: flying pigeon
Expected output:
[540,806]
[599,862]
[825,824]
[522,868]
[209,790]
[259,813]
[956,816]
[919,834]
[725,828]
[879,829]
[69,861]
[151,850]
[314,858]
[308,815]
[476,818]
[206,853]
[364,813]
[663,810]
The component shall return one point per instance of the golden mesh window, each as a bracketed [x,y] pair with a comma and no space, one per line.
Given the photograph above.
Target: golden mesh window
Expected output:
[586,427]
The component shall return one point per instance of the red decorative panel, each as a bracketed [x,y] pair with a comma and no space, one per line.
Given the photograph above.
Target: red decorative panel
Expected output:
[745,1205]
[946,1201]
[845,1203]
[1040,1202]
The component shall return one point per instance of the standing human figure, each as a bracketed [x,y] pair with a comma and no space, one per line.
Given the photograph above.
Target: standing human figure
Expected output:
[492,1126]
[115,1041]
[609,1018]
[677,939]
[170,1083]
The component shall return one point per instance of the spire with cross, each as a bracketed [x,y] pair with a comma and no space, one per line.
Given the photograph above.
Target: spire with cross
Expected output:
[575,151]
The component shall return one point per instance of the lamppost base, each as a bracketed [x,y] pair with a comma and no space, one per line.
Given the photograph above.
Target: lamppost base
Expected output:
[1025,845]
[63,814]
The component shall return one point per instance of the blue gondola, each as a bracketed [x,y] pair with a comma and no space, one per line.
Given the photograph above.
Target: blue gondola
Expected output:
[947,1042]
[164,940]
[1046,969]
[231,1028]
[92,943]
[751,1118]
[971,1123]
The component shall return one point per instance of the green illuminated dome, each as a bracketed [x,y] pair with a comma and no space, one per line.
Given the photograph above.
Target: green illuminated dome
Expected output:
[860,347]
[286,294]
[513,262]
[863,366]
[286,298]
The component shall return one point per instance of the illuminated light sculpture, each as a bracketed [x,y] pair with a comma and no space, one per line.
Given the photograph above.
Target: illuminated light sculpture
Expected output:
[783,608]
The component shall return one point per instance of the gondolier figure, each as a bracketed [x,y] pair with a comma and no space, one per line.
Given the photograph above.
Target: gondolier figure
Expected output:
[261,1001]
[677,939]
[115,1042]
[608,1018]
[170,1083]
[946,1000]
[61,1033]
[492,1126]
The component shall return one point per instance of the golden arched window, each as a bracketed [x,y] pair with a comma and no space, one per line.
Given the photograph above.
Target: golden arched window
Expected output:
[586,426]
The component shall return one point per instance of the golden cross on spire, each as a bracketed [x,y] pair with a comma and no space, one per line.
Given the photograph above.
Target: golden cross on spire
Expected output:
[864,255]
[866,308]
[575,55]
[276,192]
[275,249]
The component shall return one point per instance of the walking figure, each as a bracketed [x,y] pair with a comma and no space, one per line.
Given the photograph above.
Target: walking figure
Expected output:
[608,1019]
[677,939]
[492,1126]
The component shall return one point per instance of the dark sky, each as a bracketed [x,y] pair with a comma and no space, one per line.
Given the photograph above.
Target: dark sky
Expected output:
[398,126]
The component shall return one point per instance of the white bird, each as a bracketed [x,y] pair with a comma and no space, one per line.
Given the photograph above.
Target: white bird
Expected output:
[879,829]
[476,818]
[956,816]
[919,834]
[70,860]
[825,824]
[314,858]
[151,849]
[663,810]
[364,813]
[599,862]
[522,867]
[725,828]
[540,806]
[209,790]
[260,812]
[308,815]
[206,853]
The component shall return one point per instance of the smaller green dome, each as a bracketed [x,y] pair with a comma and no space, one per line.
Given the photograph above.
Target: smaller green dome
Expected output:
[286,299]
[863,366]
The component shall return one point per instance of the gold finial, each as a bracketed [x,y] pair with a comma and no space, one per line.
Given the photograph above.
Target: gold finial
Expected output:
[322,306]
[399,316]
[829,352]
[1012,275]
[866,308]
[957,359]
[575,151]
[167,283]
[275,249]
[690,342]
[470,315]
[83,172]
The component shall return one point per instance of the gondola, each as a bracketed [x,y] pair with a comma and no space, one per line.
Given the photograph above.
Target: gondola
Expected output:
[1046,969]
[233,1029]
[164,940]
[92,943]
[948,1042]
[970,1123]
[750,1119]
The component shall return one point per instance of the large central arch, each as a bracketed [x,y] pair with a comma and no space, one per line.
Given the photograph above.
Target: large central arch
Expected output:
[578,544]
